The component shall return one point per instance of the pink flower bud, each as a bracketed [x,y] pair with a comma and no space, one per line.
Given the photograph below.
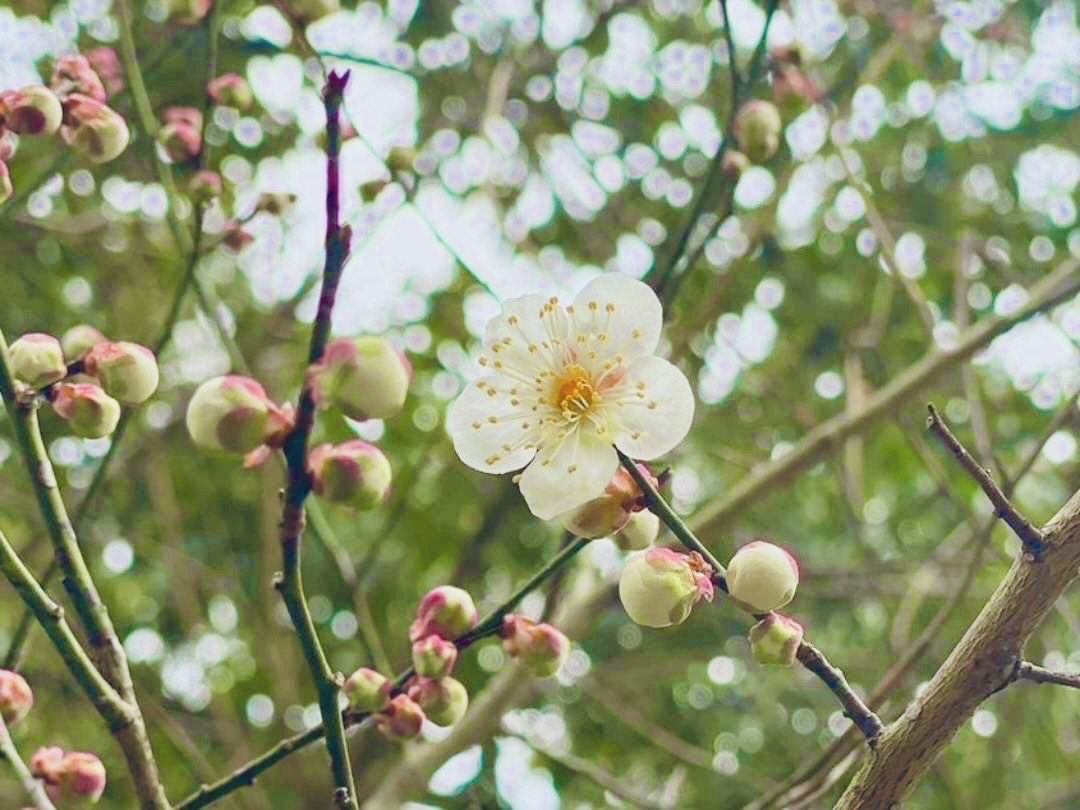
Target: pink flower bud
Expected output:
[367,690]
[757,130]
[775,640]
[16,697]
[7,188]
[434,657]
[401,720]
[231,90]
[34,110]
[78,340]
[762,577]
[127,371]
[107,65]
[233,414]
[444,611]
[542,648]
[73,778]
[659,587]
[89,411]
[93,129]
[205,185]
[37,359]
[311,10]
[191,116]
[444,700]
[640,531]
[355,474]
[180,142]
[73,74]
[187,12]
[365,378]
[607,514]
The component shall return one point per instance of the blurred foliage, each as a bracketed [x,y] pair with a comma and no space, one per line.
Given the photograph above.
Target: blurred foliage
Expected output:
[773,324]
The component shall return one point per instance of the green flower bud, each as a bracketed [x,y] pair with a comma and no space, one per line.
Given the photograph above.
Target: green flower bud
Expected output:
[659,587]
[444,700]
[445,611]
[187,12]
[762,577]
[434,657]
[401,720]
[78,340]
[89,411]
[233,414]
[355,474]
[640,531]
[775,640]
[127,371]
[37,359]
[365,378]
[93,129]
[757,130]
[34,110]
[16,697]
[312,10]
[733,164]
[367,690]
[542,648]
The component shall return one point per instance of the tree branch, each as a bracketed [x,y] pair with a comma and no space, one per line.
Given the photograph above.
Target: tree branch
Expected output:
[289,582]
[92,612]
[34,789]
[1027,671]
[982,663]
[1031,537]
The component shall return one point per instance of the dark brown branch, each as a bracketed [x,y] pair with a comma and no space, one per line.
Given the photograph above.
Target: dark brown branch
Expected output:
[1029,536]
[1027,671]
[854,709]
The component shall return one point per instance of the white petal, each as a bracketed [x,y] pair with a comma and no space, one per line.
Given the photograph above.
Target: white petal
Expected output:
[652,410]
[480,442]
[567,474]
[529,336]
[624,309]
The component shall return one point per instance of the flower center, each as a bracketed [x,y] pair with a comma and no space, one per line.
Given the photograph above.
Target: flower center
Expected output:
[575,394]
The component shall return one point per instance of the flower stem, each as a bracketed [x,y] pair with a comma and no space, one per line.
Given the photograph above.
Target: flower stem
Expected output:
[678,527]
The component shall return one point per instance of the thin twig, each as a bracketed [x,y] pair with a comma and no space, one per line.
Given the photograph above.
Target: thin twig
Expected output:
[34,789]
[290,583]
[809,656]
[1027,671]
[1029,536]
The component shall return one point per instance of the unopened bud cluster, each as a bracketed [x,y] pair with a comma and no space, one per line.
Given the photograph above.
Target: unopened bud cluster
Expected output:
[71,106]
[444,620]
[107,375]
[70,778]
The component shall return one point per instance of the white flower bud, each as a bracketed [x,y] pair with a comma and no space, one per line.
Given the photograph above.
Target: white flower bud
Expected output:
[762,577]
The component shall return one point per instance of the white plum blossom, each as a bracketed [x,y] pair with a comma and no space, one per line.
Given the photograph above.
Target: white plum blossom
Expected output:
[565,384]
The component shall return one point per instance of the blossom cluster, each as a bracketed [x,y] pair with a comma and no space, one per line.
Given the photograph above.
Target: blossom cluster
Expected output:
[71,105]
[85,376]
[444,620]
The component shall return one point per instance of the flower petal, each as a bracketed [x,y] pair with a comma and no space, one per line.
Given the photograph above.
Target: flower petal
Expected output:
[623,309]
[484,421]
[567,473]
[651,409]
